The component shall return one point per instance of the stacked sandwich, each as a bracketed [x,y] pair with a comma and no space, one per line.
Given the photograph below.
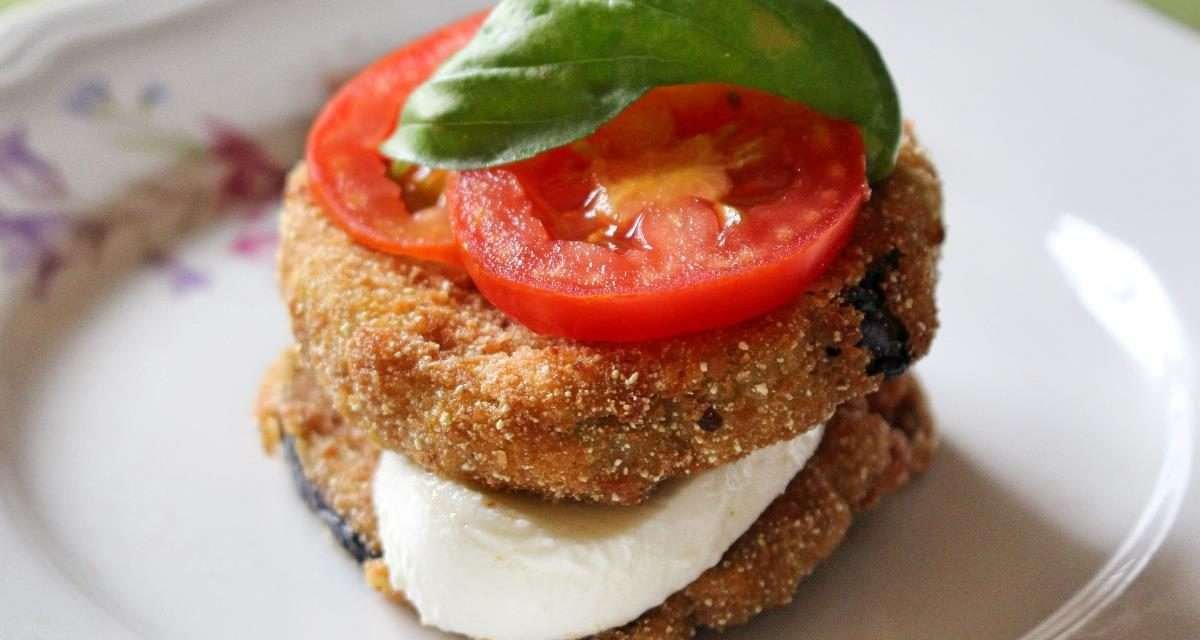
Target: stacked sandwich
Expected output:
[513,476]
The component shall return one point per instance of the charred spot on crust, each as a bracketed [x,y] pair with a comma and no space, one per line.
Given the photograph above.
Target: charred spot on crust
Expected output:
[711,420]
[345,534]
[832,351]
[606,421]
[883,334]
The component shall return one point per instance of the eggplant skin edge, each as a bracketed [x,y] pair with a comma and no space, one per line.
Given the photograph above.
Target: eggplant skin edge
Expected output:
[884,335]
[349,539]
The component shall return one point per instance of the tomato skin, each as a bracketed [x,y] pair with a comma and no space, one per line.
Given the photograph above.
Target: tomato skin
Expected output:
[584,291]
[348,175]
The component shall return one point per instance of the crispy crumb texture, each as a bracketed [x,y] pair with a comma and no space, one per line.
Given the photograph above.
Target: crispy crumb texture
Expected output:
[413,353]
[872,447]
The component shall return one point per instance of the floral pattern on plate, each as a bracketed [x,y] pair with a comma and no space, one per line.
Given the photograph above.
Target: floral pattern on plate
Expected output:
[38,242]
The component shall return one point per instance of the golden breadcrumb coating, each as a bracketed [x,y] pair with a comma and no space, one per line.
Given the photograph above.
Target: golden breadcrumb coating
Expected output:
[415,354]
[872,446]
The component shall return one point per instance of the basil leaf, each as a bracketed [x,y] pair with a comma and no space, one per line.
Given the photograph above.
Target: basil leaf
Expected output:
[544,73]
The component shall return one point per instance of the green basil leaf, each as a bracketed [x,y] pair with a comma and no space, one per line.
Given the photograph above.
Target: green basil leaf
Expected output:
[544,73]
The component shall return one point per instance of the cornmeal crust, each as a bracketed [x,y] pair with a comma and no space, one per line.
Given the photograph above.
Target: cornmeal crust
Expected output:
[414,354]
[872,447]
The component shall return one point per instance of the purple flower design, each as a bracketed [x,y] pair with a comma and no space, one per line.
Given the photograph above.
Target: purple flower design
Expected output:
[25,171]
[41,243]
[153,93]
[251,175]
[90,97]
[31,241]
[28,237]
[181,277]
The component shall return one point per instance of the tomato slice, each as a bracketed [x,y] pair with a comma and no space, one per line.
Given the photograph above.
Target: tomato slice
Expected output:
[354,183]
[699,207]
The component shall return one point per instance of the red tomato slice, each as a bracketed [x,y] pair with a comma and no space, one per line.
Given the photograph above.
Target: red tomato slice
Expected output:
[697,208]
[351,179]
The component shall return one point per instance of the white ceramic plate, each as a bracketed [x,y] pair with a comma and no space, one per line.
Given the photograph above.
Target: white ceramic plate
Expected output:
[138,164]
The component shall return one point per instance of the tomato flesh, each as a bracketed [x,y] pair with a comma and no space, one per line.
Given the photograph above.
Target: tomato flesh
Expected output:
[353,182]
[699,207]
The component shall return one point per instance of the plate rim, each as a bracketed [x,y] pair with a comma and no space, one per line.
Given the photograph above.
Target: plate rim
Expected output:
[39,35]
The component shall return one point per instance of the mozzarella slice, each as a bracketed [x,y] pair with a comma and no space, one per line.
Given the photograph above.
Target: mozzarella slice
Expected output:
[508,567]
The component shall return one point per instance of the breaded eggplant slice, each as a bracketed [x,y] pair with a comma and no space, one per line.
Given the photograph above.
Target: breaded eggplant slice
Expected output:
[872,447]
[412,352]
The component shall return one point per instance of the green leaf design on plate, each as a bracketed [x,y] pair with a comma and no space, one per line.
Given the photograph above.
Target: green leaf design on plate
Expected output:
[544,73]
[1186,11]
